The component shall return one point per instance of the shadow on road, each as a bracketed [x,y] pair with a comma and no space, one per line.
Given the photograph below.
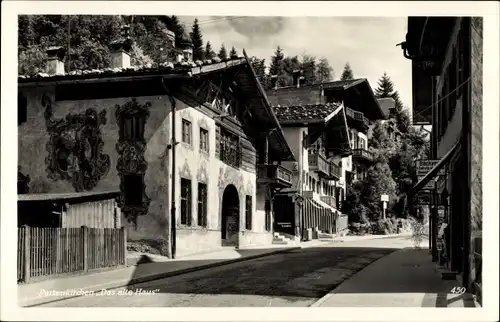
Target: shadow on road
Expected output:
[298,274]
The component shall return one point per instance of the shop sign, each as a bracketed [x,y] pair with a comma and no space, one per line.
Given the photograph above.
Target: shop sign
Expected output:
[424,166]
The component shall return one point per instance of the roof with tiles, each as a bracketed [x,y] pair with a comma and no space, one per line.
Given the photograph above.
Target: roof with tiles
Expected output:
[309,113]
[307,94]
[163,68]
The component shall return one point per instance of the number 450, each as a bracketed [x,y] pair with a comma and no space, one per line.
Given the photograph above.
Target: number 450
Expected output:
[458,290]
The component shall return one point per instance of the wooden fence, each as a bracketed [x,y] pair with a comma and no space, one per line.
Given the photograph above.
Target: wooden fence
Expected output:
[46,252]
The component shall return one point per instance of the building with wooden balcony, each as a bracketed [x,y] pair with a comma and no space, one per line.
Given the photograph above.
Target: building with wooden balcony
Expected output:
[447,69]
[191,147]
[319,138]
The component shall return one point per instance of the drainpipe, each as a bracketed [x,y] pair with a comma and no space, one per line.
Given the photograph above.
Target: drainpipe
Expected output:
[172,145]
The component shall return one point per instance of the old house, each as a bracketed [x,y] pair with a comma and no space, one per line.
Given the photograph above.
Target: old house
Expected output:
[446,54]
[180,142]
[326,125]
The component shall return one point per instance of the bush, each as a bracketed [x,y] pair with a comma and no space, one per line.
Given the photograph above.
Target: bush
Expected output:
[359,229]
[150,246]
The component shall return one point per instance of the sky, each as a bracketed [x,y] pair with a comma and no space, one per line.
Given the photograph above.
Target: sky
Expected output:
[367,43]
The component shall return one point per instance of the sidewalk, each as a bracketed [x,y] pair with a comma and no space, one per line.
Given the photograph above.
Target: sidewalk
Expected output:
[151,268]
[405,278]
[155,267]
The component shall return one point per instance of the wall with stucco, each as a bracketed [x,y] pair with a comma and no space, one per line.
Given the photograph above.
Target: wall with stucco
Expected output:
[200,166]
[294,137]
[32,152]
[476,143]
[190,163]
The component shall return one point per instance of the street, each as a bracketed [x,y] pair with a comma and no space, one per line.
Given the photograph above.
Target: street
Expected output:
[296,279]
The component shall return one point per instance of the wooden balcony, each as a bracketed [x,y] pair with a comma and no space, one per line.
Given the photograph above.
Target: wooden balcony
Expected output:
[360,121]
[329,200]
[362,156]
[275,175]
[319,163]
[335,172]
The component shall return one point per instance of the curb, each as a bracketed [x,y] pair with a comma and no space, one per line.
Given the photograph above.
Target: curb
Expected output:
[330,294]
[123,283]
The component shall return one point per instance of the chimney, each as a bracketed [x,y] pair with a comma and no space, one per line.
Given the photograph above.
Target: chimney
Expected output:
[55,64]
[274,81]
[120,50]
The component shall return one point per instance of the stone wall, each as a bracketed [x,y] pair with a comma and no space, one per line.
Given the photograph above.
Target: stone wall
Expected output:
[476,113]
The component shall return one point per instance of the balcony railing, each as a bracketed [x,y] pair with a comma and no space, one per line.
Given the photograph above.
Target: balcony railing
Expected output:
[362,155]
[335,170]
[319,163]
[357,116]
[274,174]
[329,200]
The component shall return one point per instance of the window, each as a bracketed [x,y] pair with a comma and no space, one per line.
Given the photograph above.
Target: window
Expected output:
[185,202]
[230,151]
[133,185]
[202,204]
[248,212]
[268,215]
[203,139]
[186,131]
[133,127]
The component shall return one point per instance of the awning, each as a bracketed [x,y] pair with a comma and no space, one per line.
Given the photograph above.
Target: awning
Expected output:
[434,171]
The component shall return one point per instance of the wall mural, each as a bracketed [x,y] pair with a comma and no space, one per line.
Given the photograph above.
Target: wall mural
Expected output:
[131,165]
[75,147]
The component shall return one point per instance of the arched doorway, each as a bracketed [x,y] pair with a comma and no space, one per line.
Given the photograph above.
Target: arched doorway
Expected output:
[230,221]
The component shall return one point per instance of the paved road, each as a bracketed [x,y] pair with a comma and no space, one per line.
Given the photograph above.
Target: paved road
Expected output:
[298,278]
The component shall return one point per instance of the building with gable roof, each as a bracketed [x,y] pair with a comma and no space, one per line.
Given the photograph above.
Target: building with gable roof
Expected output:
[326,125]
[180,142]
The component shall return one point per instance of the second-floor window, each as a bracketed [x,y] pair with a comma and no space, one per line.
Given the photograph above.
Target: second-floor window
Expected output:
[203,139]
[186,131]
[230,149]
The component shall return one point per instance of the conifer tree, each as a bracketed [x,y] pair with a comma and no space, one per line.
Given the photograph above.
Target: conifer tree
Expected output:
[347,72]
[278,66]
[222,52]
[197,38]
[209,53]
[233,53]
[385,88]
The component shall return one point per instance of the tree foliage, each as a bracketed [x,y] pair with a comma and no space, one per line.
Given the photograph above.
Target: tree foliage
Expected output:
[88,37]
[209,53]
[222,52]
[259,65]
[385,88]
[277,67]
[197,39]
[324,72]
[233,53]
[347,72]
